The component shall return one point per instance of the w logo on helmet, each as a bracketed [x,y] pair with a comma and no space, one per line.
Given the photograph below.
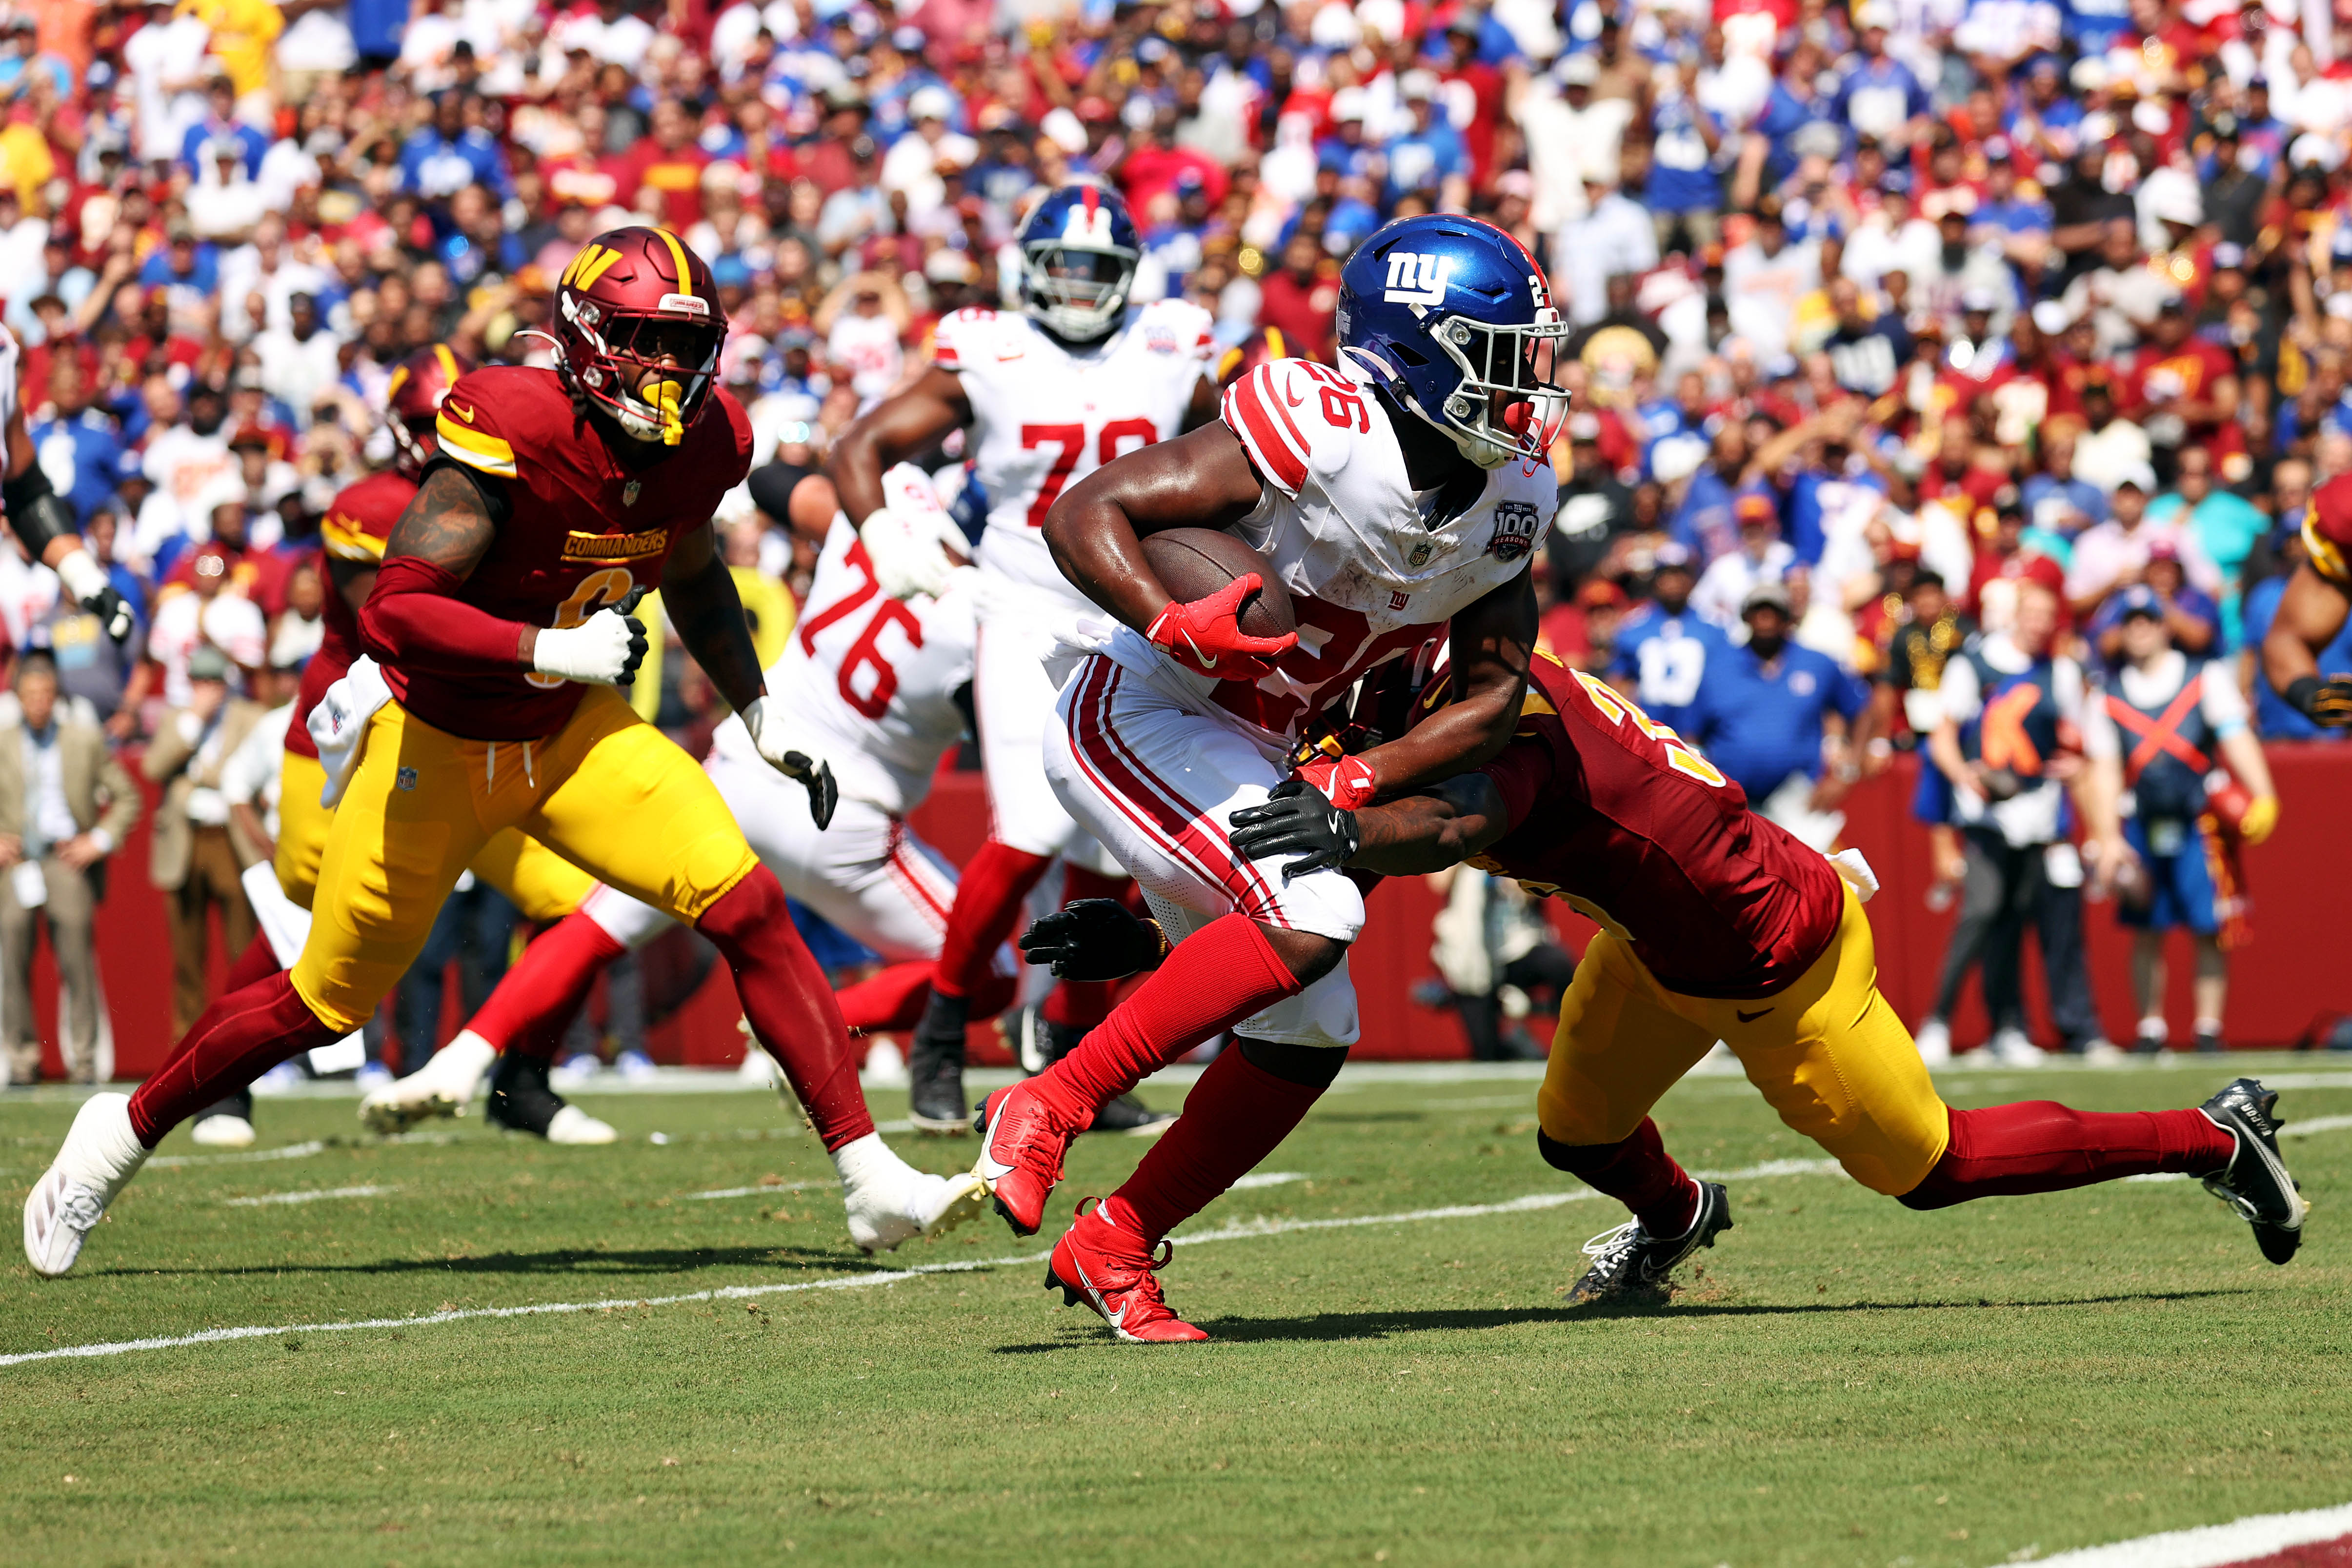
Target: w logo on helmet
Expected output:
[1417,279]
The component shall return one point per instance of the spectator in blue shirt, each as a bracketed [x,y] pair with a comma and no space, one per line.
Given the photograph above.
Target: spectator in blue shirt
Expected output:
[220,123]
[1664,648]
[1763,711]
[187,267]
[1879,97]
[446,156]
[75,444]
[1685,190]
[1426,157]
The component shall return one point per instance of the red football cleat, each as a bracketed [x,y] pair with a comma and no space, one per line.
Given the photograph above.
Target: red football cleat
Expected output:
[1021,1143]
[1103,1266]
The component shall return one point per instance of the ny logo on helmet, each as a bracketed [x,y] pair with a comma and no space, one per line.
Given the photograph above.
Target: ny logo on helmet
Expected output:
[1416,279]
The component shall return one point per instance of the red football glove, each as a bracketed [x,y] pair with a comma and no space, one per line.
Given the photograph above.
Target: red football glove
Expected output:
[1346,781]
[1205,636]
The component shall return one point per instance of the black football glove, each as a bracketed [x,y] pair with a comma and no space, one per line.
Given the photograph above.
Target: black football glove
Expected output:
[1296,820]
[2327,703]
[823,793]
[1094,939]
[113,613]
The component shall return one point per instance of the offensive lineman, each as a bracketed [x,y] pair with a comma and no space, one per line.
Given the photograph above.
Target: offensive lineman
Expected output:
[500,614]
[1048,395]
[1406,489]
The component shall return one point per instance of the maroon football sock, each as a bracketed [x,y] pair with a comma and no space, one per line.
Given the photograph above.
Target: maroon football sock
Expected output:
[1215,978]
[258,962]
[2040,1146]
[538,997]
[1637,1172]
[790,1004]
[239,1037]
[987,904]
[1236,1116]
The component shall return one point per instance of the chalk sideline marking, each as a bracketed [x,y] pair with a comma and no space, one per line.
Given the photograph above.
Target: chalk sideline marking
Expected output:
[2211,1545]
[1243,1231]
[307,1195]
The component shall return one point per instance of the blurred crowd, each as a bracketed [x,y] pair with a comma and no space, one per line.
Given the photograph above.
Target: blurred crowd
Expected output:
[1887,312]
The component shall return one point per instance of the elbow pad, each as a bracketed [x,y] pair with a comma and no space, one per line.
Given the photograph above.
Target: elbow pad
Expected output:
[37,513]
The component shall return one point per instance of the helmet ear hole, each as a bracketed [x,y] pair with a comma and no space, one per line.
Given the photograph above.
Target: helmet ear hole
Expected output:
[1405,352]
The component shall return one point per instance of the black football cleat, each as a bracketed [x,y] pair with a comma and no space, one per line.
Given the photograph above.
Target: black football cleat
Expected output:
[1037,1042]
[935,1100]
[521,1101]
[2255,1182]
[1629,1264]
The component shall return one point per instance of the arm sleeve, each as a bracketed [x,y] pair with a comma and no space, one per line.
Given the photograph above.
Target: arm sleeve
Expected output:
[2224,704]
[414,619]
[1520,772]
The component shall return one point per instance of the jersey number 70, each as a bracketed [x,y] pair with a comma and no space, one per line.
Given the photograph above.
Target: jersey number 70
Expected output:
[1069,444]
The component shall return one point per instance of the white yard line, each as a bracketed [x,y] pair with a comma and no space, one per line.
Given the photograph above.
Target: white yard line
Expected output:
[1269,1179]
[1245,1231]
[291,1151]
[310,1196]
[758,1191]
[2213,1545]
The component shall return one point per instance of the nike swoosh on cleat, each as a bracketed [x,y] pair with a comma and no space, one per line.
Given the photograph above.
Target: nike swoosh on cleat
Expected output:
[1749,1018]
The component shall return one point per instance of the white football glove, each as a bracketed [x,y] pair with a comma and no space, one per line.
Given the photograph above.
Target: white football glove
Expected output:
[815,775]
[908,549]
[603,650]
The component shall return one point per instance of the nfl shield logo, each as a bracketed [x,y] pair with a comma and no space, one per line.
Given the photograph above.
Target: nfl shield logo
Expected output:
[630,491]
[1418,556]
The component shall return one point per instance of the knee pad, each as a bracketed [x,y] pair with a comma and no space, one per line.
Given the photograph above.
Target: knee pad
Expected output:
[1313,1065]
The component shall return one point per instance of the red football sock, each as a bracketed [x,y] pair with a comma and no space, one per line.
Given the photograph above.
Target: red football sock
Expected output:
[987,901]
[239,1037]
[2040,1146]
[1216,977]
[540,995]
[258,962]
[1637,1172]
[790,1004]
[1082,1004]
[886,1002]
[1236,1116]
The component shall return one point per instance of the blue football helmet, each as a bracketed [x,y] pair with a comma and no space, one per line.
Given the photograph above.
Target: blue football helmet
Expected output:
[1078,255]
[1453,317]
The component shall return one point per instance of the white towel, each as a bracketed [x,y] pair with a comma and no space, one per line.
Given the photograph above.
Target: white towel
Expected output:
[340,719]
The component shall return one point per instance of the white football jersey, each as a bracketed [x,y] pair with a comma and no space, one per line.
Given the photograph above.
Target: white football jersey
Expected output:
[9,354]
[1044,416]
[1348,536]
[868,682]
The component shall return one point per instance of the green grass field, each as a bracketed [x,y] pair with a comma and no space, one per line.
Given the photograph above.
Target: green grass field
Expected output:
[1845,1382]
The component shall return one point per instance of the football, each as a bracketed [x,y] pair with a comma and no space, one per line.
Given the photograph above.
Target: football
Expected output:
[1194,563]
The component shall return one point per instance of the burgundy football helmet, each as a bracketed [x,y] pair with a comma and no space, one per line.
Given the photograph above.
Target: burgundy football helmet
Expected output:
[1265,344]
[413,397]
[633,301]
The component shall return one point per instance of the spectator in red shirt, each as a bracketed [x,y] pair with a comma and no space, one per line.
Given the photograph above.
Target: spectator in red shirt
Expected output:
[671,161]
[1299,301]
[2003,561]
[2182,389]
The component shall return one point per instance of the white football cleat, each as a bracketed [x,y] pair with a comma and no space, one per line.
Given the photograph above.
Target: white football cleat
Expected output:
[99,1156]
[890,1203]
[223,1131]
[573,1125]
[1935,1042]
[444,1086]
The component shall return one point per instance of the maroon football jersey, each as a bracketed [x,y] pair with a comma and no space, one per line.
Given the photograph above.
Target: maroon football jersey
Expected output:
[583,533]
[358,523]
[1612,812]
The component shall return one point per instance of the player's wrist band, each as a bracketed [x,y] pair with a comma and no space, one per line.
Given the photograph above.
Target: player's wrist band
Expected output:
[2303,691]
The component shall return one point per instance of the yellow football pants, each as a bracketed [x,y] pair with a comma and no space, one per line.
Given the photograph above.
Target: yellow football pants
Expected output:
[1828,1053]
[608,792]
[535,880]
